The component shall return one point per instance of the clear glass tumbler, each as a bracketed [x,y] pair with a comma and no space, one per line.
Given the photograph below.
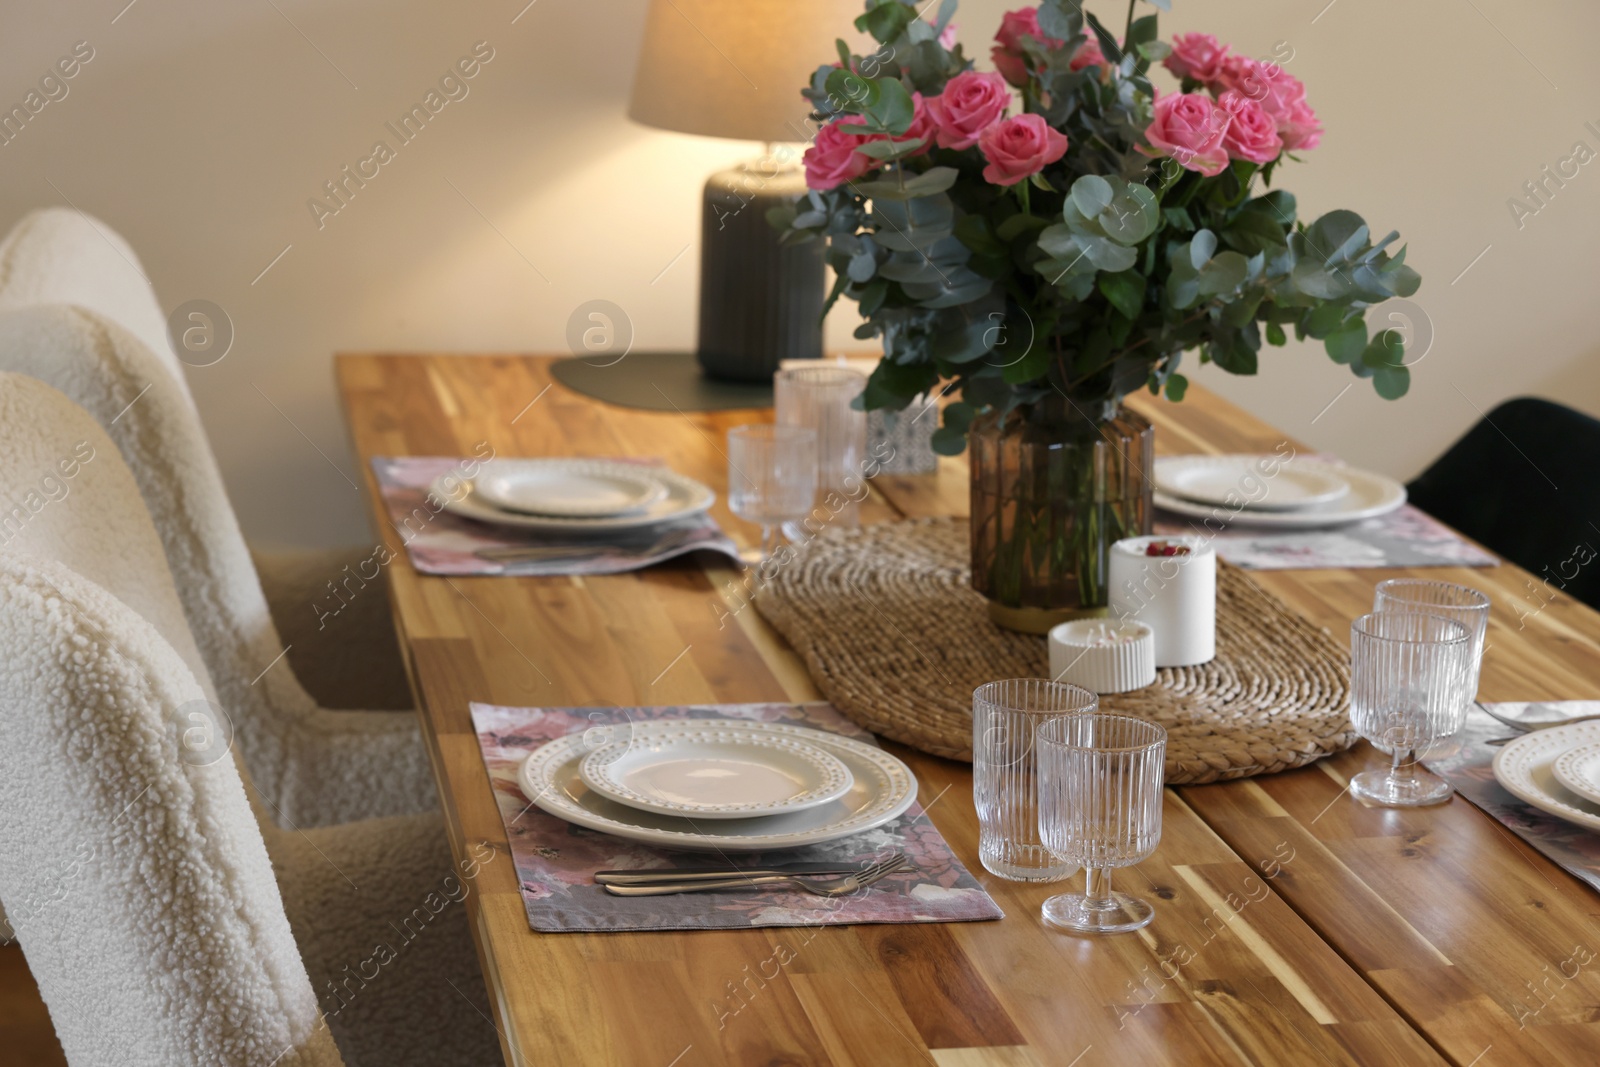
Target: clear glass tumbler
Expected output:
[821,398]
[1462,603]
[1408,690]
[772,477]
[1006,716]
[1100,778]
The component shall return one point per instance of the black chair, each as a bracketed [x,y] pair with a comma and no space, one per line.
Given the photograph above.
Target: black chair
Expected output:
[1525,482]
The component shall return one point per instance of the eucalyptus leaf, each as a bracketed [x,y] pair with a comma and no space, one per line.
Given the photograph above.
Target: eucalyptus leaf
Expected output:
[1347,344]
[1392,383]
[1202,247]
[1091,194]
[1125,291]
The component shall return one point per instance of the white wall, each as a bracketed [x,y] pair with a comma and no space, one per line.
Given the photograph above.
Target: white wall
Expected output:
[200,130]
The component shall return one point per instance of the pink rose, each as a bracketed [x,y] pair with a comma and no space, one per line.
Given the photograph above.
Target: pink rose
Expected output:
[1243,75]
[1252,133]
[1196,55]
[1285,101]
[1007,53]
[922,125]
[1190,128]
[1018,147]
[832,159]
[971,103]
[947,39]
[1280,94]
[1088,55]
[1300,129]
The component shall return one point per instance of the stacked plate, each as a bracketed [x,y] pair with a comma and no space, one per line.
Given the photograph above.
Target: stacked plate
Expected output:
[1555,768]
[1296,494]
[574,495]
[728,785]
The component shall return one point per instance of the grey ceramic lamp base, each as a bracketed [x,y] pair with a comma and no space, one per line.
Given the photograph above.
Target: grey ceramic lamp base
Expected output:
[760,302]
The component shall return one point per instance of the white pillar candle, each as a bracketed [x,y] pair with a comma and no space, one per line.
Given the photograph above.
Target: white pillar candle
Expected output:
[1170,585]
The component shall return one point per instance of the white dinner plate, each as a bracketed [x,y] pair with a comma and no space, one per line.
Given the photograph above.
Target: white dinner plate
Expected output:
[684,497]
[1370,495]
[1579,770]
[882,790]
[1525,767]
[711,773]
[1217,479]
[575,488]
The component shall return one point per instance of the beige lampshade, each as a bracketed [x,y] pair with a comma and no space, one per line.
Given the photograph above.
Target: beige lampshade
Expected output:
[735,68]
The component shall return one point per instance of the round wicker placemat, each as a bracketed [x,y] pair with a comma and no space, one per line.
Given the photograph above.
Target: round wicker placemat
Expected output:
[896,639]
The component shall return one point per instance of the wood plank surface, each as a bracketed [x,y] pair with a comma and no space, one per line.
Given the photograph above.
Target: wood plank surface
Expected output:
[1292,926]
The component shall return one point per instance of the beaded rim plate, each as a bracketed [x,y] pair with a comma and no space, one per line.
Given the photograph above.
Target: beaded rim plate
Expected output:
[884,788]
[711,773]
[1579,770]
[684,497]
[1371,494]
[567,488]
[1524,768]
[1212,480]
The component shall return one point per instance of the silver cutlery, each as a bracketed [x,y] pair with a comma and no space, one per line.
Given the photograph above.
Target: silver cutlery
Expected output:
[1543,724]
[831,887]
[650,875]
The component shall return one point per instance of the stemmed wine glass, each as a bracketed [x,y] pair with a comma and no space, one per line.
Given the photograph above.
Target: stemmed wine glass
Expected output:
[1409,673]
[772,477]
[1100,778]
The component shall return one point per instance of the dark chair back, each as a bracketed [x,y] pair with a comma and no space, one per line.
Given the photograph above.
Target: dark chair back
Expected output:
[1525,482]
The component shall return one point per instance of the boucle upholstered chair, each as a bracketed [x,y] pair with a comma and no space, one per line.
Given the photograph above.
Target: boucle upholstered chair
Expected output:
[314,767]
[63,257]
[129,859]
[102,367]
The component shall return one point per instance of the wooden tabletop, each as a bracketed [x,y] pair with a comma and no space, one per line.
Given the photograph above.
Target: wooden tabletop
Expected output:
[1293,925]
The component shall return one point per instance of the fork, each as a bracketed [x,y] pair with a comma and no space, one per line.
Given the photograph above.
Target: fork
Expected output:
[1545,724]
[822,887]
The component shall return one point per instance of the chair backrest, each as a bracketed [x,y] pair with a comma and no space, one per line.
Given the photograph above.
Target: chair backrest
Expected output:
[59,255]
[118,380]
[66,495]
[1524,481]
[137,879]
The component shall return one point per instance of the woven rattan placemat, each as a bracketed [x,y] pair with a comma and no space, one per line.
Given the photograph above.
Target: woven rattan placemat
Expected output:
[896,639]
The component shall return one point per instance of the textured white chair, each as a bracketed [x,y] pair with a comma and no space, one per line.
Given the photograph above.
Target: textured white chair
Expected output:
[100,686]
[143,892]
[60,256]
[313,767]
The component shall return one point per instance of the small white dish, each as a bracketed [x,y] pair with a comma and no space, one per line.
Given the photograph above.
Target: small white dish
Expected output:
[584,489]
[1526,769]
[685,497]
[883,789]
[1225,480]
[711,773]
[1370,496]
[1579,770]
[1103,655]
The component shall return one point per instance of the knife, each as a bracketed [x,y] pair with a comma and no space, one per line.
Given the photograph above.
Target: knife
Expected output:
[651,875]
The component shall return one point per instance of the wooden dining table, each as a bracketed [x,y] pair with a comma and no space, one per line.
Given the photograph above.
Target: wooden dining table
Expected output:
[1293,925]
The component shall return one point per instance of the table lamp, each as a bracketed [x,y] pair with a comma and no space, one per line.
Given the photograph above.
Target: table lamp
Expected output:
[735,68]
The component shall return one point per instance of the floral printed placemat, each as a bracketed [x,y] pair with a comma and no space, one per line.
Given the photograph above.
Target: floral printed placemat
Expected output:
[555,860]
[1405,537]
[440,542]
[1572,847]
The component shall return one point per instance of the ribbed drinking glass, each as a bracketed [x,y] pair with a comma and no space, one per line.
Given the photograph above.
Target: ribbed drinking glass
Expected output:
[1006,716]
[820,397]
[1462,603]
[772,477]
[1100,778]
[1408,690]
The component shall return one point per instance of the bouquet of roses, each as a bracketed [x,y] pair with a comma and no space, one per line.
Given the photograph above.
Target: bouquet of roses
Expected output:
[1063,226]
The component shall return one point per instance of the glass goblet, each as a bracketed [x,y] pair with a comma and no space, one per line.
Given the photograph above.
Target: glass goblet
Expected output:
[772,477]
[1100,794]
[1408,689]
